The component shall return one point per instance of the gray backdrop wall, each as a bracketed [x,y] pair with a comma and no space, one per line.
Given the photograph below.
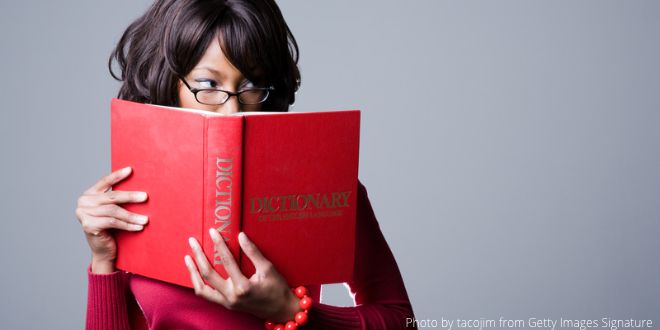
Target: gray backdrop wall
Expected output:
[511,149]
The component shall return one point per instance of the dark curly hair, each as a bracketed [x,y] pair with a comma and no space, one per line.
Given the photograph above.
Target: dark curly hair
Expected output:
[172,36]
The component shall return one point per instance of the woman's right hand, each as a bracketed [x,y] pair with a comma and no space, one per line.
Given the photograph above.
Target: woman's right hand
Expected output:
[98,212]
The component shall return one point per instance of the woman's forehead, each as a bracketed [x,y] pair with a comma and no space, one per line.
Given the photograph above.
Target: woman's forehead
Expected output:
[215,61]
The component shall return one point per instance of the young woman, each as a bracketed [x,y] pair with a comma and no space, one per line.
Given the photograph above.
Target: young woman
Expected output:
[220,56]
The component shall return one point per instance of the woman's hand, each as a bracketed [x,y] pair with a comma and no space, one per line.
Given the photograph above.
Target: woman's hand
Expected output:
[98,212]
[265,294]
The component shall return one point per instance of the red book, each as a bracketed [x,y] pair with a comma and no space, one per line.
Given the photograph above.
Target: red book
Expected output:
[288,180]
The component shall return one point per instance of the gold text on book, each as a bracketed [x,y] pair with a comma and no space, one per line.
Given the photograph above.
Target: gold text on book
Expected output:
[299,206]
[222,210]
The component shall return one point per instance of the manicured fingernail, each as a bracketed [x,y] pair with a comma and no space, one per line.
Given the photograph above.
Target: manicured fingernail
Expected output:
[136,227]
[215,236]
[126,170]
[192,242]
[141,196]
[142,219]
[242,238]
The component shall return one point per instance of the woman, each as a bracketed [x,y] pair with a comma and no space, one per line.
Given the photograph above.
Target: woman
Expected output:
[221,56]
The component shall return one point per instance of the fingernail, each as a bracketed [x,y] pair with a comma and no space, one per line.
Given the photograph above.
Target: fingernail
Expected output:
[242,238]
[136,227]
[215,236]
[141,196]
[142,219]
[187,260]
[192,242]
[126,170]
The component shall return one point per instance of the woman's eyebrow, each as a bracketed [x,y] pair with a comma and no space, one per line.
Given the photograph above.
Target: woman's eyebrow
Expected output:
[208,68]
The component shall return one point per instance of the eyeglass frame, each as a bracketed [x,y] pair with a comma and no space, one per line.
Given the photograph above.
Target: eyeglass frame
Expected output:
[230,94]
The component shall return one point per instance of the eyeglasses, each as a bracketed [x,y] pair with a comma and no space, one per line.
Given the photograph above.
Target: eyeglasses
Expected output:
[212,96]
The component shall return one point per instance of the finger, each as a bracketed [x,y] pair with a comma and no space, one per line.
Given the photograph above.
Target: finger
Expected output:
[228,261]
[205,269]
[95,225]
[251,251]
[109,180]
[201,289]
[118,212]
[120,197]
[112,197]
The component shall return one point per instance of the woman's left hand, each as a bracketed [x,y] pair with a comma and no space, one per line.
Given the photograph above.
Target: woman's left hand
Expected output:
[265,294]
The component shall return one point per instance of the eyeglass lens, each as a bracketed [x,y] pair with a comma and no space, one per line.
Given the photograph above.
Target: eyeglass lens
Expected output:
[249,96]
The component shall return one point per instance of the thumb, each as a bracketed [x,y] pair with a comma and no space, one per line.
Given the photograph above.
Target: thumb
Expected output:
[260,262]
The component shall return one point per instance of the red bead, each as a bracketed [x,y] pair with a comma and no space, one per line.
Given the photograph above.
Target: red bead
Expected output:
[279,327]
[300,291]
[305,302]
[291,326]
[301,318]
[270,325]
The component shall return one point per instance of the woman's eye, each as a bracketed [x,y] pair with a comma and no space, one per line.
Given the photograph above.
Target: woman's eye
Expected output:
[247,85]
[207,83]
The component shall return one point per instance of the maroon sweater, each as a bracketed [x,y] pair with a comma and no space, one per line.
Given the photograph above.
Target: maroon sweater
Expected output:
[123,300]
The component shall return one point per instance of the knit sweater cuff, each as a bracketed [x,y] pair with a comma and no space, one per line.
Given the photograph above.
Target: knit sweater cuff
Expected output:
[106,301]
[332,317]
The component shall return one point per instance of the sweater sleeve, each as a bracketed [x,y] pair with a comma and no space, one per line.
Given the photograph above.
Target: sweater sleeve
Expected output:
[107,301]
[380,295]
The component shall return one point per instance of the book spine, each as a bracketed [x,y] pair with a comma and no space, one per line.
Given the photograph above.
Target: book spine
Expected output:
[222,186]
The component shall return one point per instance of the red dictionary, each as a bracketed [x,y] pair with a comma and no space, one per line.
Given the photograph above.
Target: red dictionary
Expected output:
[288,180]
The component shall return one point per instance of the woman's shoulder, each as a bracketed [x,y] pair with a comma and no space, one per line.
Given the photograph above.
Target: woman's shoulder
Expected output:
[362,190]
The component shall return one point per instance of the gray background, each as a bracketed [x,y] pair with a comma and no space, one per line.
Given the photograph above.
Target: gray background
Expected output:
[510,148]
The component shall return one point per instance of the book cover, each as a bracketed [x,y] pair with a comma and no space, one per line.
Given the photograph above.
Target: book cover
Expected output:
[288,180]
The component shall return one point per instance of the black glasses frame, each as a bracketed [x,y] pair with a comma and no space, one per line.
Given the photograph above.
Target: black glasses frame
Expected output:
[230,94]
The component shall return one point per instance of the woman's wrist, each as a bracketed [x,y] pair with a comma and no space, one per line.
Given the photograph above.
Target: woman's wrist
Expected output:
[299,305]
[102,266]
[291,307]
